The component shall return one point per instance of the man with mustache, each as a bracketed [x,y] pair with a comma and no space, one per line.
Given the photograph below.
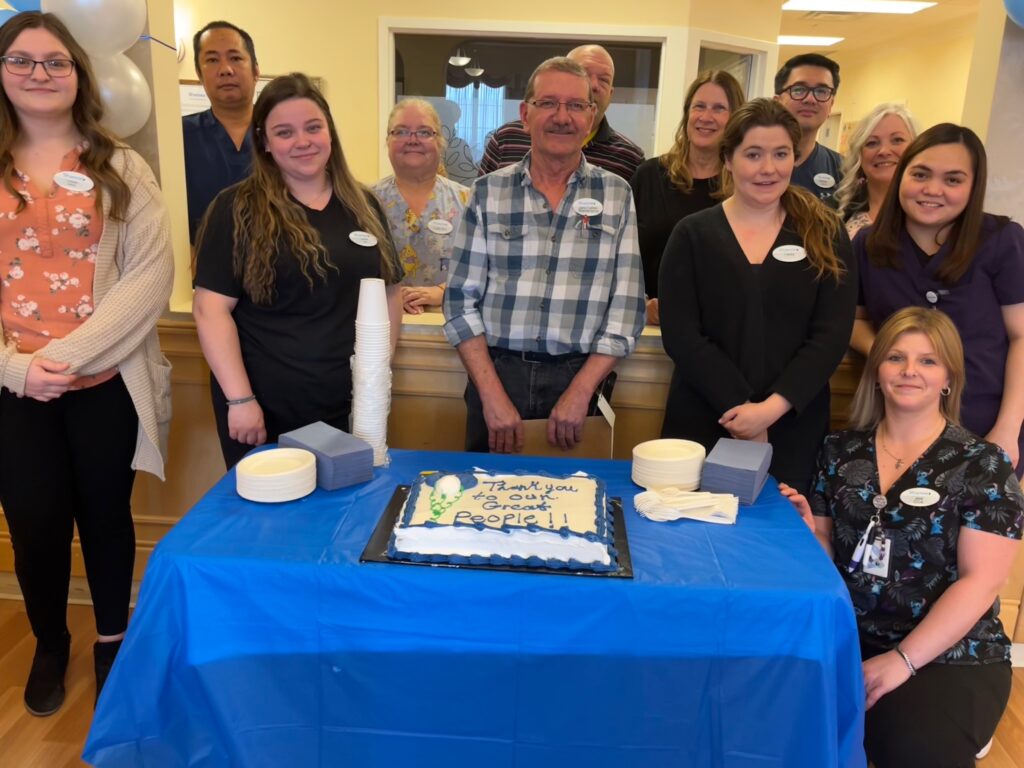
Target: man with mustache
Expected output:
[217,146]
[545,290]
[603,147]
[806,86]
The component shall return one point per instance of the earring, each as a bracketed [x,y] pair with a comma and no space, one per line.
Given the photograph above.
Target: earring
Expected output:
[945,391]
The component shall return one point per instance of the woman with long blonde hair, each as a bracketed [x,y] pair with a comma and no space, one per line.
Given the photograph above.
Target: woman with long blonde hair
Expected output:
[279,258]
[876,146]
[757,302]
[685,179]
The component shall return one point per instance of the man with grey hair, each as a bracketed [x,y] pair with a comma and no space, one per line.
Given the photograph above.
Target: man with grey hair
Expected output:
[603,147]
[545,290]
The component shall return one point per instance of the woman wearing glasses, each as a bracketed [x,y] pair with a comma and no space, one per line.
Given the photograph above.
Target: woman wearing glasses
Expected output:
[757,303]
[279,257]
[87,269]
[933,245]
[424,207]
[682,181]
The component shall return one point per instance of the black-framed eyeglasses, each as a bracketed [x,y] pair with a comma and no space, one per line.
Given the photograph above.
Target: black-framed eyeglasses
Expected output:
[551,105]
[19,65]
[420,133]
[799,92]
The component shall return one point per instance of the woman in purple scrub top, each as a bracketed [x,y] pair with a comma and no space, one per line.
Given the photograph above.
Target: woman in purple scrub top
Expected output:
[932,245]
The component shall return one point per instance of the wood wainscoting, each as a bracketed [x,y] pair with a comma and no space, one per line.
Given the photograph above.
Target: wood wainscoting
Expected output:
[427,413]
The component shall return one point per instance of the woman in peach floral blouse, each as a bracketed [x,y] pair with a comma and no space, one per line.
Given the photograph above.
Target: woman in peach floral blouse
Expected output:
[85,271]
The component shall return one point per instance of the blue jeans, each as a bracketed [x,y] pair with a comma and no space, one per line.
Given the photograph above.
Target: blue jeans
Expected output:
[533,388]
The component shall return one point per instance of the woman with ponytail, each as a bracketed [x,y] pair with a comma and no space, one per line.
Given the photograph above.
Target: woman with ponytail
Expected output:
[279,257]
[757,301]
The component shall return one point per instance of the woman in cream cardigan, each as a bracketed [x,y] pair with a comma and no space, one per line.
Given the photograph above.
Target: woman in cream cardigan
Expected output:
[85,271]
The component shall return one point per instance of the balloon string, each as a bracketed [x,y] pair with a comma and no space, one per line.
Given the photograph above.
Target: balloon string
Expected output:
[158,40]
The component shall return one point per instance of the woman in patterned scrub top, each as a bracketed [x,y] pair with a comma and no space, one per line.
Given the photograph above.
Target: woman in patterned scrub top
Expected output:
[86,267]
[923,520]
[424,207]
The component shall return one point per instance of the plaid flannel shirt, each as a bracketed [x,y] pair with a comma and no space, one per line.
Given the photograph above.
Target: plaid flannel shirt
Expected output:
[537,280]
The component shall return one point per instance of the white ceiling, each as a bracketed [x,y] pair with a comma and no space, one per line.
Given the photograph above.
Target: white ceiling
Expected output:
[867,30]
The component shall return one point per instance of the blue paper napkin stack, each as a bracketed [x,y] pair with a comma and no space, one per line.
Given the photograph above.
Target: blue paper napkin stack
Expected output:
[341,459]
[739,467]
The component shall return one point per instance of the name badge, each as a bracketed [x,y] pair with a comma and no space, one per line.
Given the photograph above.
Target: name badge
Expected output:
[364,239]
[587,206]
[932,296]
[440,226]
[73,181]
[920,497]
[824,180]
[789,253]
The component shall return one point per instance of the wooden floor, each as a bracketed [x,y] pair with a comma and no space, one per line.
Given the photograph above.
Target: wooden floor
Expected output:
[57,741]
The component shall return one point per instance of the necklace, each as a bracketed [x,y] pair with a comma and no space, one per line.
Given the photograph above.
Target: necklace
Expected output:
[899,459]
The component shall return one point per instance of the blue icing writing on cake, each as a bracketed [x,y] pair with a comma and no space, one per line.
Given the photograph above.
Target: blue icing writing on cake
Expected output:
[519,519]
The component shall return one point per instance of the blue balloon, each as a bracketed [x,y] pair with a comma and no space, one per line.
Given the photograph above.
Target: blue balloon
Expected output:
[25,5]
[1015,10]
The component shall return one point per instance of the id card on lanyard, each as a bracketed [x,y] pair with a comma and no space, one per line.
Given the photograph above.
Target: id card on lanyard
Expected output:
[874,549]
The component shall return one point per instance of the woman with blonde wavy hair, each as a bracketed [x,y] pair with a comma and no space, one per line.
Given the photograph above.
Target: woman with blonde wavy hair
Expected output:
[757,302]
[424,207]
[279,258]
[683,180]
[876,146]
[923,520]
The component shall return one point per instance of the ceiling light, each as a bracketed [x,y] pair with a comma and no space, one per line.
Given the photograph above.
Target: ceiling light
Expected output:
[856,6]
[474,71]
[458,60]
[809,40]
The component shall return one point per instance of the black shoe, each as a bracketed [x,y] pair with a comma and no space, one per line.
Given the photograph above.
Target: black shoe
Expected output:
[44,691]
[103,655]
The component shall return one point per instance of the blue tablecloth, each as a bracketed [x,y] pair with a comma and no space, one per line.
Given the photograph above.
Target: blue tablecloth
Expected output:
[260,640]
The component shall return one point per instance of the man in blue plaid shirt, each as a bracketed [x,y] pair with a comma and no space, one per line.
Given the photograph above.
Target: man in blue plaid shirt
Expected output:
[545,288]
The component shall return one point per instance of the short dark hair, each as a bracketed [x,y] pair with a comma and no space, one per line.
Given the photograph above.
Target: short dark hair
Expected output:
[806,60]
[250,47]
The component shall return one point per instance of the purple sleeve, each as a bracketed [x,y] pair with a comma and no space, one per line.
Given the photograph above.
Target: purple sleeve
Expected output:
[1008,263]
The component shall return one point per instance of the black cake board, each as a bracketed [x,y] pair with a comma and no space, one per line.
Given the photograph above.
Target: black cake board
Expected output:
[376,550]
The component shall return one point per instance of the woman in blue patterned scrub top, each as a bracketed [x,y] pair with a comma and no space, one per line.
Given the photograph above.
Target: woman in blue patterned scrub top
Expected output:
[424,207]
[923,520]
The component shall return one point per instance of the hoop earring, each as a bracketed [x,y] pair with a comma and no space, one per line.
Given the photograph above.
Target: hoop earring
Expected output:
[945,391]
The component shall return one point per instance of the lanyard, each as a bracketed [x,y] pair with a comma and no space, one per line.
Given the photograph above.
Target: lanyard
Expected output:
[874,529]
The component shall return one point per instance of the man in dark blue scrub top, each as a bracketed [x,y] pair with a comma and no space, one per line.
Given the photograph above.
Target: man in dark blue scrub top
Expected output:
[217,145]
[806,86]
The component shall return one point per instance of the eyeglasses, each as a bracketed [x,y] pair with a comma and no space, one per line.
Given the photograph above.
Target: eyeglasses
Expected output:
[550,105]
[19,65]
[799,92]
[420,133]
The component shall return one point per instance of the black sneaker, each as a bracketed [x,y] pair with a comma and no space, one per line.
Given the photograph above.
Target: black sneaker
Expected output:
[44,691]
[103,655]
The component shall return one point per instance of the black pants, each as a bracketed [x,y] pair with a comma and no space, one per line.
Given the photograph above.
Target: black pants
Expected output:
[64,462]
[533,387]
[940,718]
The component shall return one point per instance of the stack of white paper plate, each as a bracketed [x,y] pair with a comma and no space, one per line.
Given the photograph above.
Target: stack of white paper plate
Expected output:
[280,474]
[668,464]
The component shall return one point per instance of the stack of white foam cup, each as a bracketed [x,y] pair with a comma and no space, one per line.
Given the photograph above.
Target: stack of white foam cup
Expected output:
[371,369]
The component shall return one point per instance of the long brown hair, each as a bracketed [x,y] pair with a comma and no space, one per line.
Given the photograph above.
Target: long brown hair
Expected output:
[264,216]
[868,406]
[677,159]
[817,225]
[965,234]
[86,112]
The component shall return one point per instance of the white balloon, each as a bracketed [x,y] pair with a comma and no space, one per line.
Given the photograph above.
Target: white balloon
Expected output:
[101,27]
[127,100]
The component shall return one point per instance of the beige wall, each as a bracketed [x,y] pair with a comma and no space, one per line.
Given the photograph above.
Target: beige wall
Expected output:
[930,76]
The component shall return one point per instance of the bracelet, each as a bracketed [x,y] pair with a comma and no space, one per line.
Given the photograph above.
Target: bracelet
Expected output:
[242,400]
[906,660]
